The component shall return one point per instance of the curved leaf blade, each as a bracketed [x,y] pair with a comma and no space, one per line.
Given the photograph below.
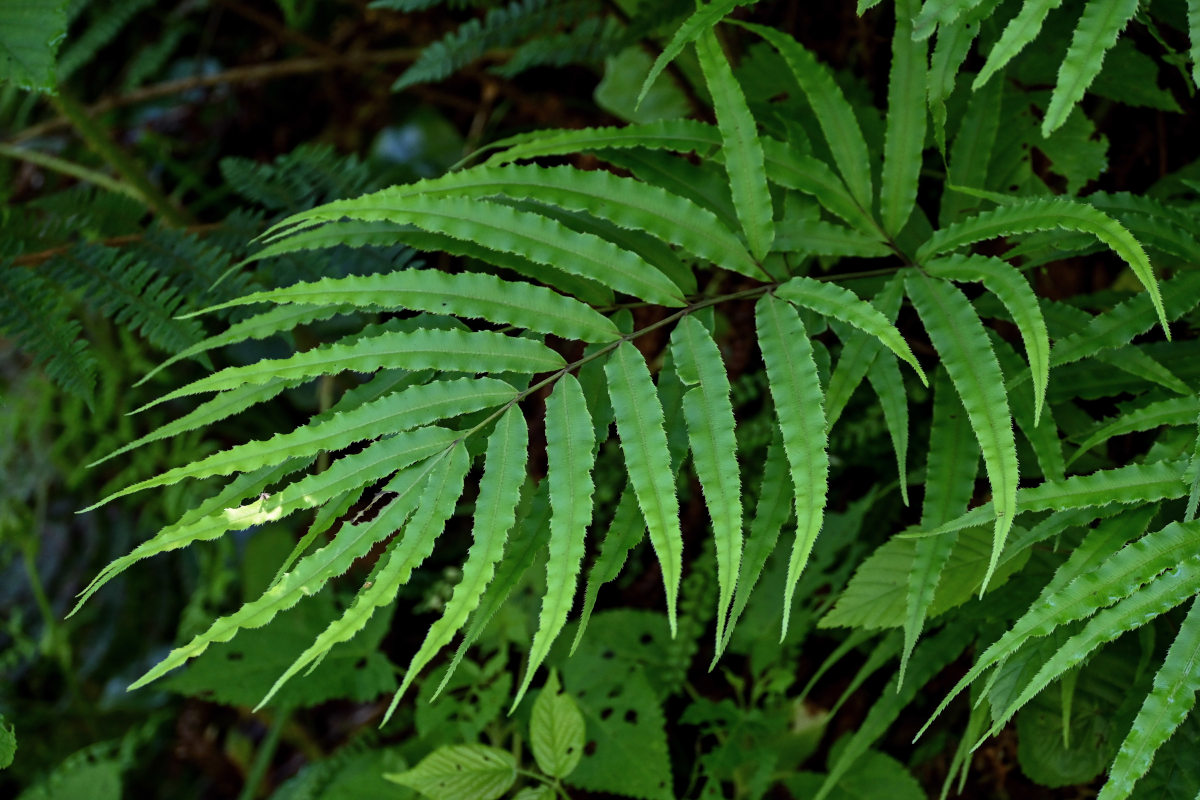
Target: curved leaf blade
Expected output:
[904,138]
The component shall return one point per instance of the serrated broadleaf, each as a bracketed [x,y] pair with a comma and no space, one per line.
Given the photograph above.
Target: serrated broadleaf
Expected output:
[461,772]
[556,730]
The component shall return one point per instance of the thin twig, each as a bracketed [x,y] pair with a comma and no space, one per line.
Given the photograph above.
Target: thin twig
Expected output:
[66,167]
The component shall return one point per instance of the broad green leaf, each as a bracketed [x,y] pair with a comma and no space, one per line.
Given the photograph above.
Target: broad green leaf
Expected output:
[772,512]
[1097,32]
[436,505]
[702,21]
[570,455]
[310,574]
[740,145]
[466,294]
[358,469]
[556,730]
[531,236]
[1025,216]
[495,514]
[449,351]
[905,136]
[1177,585]
[1020,31]
[461,772]
[625,202]
[1175,411]
[820,238]
[966,352]
[796,390]
[830,300]
[710,423]
[834,113]
[29,40]
[400,411]
[640,424]
[950,470]
[1162,712]
[1117,577]
[1013,290]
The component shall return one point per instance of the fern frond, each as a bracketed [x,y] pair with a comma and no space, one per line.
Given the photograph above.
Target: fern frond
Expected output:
[627,529]
[359,469]
[531,236]
[967,354]
[500,27]
[701,21]
[831,300]
[1193,18]
[820,238]
[495,514]
[1020,31]
[1097,32]
[1175,411]
[812,176]
[950,470]
[393,413]
[467,294]
[885,378]
[740,145]
[1024,216]
[1177,585]
[859,351]
[1013,290]
[640,424]
[904,138]
[772,512]
[954,42]
[103,28]
[309,575]
[936,15]
[1163,711]
[710,423]
[1119,576]
[33,312]
[570,455]
[678,135]
[796,390]
[833,112]
[451,351]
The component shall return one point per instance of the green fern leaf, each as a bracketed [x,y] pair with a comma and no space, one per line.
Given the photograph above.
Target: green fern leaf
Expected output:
[1097,32]
[1177,585]
[1117,577]
[888,384]
[678,135]
[1193,16]
[570,455]
[1176,411]
[796,390]
[702,21]
[359,469]
[1162,712]
[495,514]
[1120,324]
[468,294]
[451,351]
[831,300]
[905,136]
[309,575]
[789,169]
[530,236]
[973,145]
[436,505]
[821,238]
[834,113]
[627,203]
[1193,470]
[400,411]
[936,14]
[627,529]
[859,350]
[1024,216]
[1014,291]
[950,471]
[1020,31]
[709,415]
[640,424]
[967,354]
[1042,436]
[741,147]
[773,511]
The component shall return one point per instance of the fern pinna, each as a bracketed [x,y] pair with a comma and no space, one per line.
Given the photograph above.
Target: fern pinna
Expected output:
[538,320]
